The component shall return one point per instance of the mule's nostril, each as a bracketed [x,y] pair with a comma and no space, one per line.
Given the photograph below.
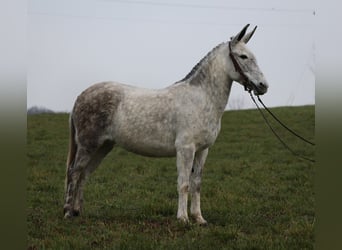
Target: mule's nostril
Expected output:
[263,85]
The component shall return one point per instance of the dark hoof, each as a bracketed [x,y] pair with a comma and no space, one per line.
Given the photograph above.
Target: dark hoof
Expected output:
[70,213]
[204,224]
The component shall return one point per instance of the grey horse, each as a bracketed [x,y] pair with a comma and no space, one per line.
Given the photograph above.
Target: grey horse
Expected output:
[181,120]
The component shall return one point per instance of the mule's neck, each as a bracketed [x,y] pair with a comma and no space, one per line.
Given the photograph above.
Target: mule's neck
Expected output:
[211,74]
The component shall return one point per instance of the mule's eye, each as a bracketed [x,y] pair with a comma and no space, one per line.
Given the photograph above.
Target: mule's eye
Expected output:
[243,56]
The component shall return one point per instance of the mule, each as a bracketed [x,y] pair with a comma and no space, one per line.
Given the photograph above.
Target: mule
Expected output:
[181,120]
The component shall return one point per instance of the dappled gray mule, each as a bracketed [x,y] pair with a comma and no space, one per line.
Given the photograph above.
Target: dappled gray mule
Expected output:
[182,120]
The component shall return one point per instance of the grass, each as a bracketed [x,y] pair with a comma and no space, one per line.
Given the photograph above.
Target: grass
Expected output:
[255,194]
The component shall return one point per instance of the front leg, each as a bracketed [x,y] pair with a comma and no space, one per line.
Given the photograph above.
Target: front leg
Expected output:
[185,158]
[195,186]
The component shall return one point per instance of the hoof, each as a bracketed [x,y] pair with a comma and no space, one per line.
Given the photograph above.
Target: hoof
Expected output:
[199,220]
[67,215]
[70,213]
[183,220]
[203,223]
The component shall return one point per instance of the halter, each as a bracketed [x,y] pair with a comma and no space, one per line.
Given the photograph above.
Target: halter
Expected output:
[246,82]
[249,87]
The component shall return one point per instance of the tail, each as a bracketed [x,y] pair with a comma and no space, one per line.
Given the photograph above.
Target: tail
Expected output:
[72,151]
[72,144]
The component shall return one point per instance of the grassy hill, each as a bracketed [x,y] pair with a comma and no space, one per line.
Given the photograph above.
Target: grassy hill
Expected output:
[255,194]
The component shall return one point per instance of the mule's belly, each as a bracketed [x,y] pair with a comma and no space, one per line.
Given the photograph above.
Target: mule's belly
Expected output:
[149,150]
[145,134]
[146,144]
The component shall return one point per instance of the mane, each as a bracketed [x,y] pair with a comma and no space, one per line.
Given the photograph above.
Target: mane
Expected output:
[199,65]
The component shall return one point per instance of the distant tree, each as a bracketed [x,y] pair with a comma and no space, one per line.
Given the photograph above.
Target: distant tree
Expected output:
[38,110]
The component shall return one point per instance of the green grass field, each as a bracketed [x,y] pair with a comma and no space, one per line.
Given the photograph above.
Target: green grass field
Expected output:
[255,194]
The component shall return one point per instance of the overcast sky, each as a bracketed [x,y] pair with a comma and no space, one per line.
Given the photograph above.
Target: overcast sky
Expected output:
[148,43]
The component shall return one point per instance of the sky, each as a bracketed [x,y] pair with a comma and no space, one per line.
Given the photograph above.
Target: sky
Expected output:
[73,44]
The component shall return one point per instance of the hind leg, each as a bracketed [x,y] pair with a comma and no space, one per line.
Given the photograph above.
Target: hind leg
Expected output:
[74,175]
[84,164]
[93,164]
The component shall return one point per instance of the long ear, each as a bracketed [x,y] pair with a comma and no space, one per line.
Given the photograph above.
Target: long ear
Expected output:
[240,35]
[248,36]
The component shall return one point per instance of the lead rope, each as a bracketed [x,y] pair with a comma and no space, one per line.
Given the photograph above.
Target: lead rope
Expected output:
[273,131]
[282,124]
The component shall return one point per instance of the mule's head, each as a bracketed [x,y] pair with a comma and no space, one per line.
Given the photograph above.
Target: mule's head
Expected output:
[245,69]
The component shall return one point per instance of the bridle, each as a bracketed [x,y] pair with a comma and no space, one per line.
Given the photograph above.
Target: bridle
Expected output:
[249,86]
[246,82]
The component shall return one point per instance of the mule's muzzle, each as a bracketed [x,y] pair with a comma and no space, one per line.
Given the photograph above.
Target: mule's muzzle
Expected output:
[259,88]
